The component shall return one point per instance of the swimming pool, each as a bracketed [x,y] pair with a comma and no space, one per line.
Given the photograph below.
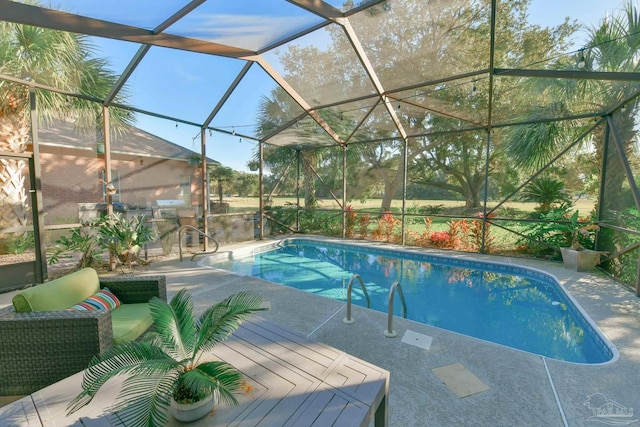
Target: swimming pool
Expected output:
[513,306]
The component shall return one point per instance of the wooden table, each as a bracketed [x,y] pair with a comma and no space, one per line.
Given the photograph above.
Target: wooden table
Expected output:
[294,381]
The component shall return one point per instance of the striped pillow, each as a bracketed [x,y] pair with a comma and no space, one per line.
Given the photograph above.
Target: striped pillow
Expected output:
[101,300]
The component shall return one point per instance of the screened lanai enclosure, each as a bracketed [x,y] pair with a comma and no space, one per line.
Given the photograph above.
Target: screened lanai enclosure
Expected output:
[490,126]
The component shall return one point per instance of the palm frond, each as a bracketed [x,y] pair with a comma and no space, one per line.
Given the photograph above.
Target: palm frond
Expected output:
[175,326]
[144,400]
[183,307]
[633,26]
[534,145]
[217,376]
[219,321]
[136,358]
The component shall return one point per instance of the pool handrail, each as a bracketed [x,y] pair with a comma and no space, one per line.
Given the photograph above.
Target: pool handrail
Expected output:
[348,318]
[390,333]
[203,234]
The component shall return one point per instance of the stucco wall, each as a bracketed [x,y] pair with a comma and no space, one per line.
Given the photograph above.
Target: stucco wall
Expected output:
[70,177]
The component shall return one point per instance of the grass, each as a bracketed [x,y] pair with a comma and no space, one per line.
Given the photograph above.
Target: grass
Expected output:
[236,204]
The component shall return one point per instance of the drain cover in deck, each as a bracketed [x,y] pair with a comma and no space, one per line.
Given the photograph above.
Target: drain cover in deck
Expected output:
[416,339]
[460,380]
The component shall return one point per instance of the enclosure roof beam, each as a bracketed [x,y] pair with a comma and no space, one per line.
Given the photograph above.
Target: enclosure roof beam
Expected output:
[625,101]
[46,18]
[184,11]
[228,132]
[142,51]
[284,84]
[131,66]
[157,115]
[440,81]
[228,92]
[364,60]
[294,37]
[319,8]
[568,74]
[362,6]
[363,120]
[49,88]
[284,127]
[434,111]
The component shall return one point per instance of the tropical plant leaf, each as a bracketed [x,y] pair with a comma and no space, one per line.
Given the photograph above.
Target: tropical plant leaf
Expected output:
[221,320]
[217,376]
[163,361]
[182,305]
[137,358]
[175,326]
[145,400]
[545,191]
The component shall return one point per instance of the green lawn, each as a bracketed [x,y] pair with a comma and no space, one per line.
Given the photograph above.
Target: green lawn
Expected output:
[252,203]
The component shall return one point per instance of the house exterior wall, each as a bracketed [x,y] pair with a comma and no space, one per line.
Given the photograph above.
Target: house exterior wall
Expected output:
[73,176]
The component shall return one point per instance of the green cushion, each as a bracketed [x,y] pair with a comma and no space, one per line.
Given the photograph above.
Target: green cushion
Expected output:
[59,293]
[130,321]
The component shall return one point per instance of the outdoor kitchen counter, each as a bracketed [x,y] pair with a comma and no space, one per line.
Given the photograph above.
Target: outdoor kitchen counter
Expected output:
[293,382]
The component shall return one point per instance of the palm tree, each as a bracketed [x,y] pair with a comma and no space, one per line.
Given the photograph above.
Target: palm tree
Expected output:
[57,59]
[546,191]
[168,361]
[613,46]
[221,174]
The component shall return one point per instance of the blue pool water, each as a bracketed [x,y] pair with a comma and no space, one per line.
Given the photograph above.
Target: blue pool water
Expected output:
[513,306]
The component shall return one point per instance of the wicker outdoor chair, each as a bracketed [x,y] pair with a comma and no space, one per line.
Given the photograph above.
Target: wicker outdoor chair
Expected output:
[40,348]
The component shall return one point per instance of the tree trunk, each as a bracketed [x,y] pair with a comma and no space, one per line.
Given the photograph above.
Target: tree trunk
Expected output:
[471,187]
[220,190]
[391,187]
[308,163]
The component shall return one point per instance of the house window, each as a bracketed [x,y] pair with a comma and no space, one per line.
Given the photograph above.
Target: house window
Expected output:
[185,189]
[115,180]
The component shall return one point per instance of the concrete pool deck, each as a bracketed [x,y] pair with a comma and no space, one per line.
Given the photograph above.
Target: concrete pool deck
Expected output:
[440,378]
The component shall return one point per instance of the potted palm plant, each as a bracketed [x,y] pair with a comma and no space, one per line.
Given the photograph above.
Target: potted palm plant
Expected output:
[168,365]
[576,257]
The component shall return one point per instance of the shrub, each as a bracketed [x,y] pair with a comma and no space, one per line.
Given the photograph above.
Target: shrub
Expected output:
[363,225]
[476,234]
[350,221]
[82,240]
[432,209]
[557,228]
[18,244]
[124,237]
[440,239]
[386,226]
[545,191]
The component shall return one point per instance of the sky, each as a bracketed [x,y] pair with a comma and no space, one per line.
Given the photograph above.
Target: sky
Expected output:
[188,86]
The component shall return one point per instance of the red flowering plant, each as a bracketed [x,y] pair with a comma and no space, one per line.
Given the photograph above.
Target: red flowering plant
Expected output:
[387,223]
[422,239]
[350,220]
[477,231]
[363,224]
[440,239]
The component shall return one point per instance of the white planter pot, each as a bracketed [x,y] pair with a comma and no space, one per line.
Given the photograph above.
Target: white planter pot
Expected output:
[584,260]
[189,412]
